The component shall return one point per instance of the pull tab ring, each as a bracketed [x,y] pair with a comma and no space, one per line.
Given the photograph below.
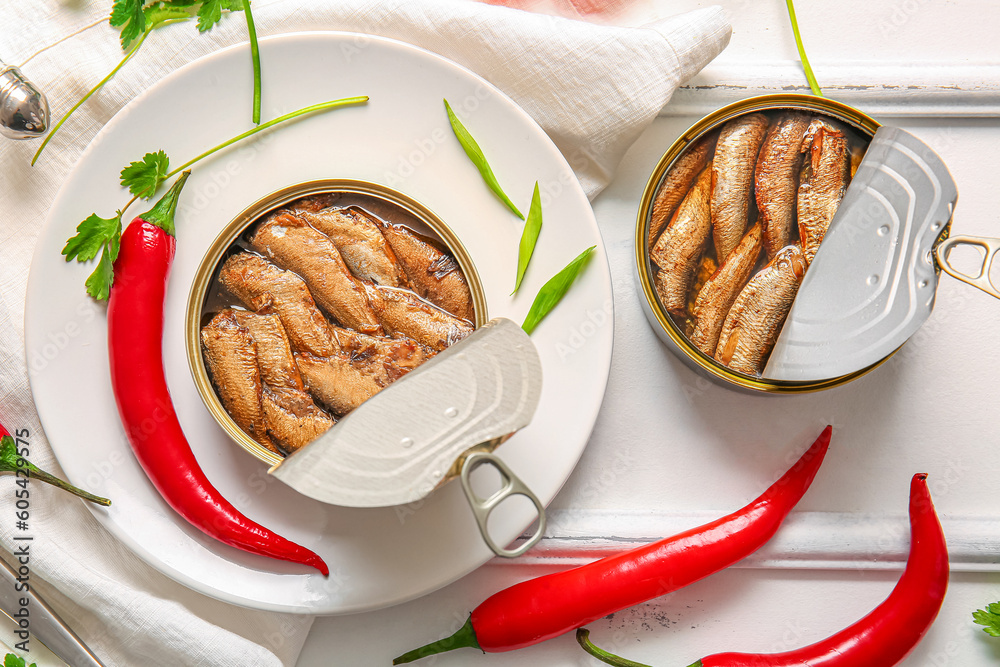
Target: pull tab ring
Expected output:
[512,486]
[990,245]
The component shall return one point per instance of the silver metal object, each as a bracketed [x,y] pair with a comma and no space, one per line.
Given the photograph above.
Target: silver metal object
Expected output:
[24,111]
[482,507]
[438,422]
[873,281]
[45,624]
[990,246]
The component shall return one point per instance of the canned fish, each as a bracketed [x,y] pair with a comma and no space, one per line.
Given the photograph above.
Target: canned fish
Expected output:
[728,223]
[274,385]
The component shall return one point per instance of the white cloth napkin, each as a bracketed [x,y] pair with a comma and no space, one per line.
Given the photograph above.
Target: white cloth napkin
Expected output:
[593,88]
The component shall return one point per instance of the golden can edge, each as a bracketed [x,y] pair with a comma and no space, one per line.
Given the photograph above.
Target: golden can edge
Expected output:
[209,264]
[661,322]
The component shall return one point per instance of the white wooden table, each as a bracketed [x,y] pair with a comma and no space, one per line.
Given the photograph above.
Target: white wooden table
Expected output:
[671,449]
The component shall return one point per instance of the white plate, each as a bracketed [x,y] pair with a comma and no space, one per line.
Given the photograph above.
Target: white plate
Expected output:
[400,138]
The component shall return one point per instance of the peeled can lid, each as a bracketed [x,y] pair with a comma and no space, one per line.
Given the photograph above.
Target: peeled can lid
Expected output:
[873,280]
[411,437]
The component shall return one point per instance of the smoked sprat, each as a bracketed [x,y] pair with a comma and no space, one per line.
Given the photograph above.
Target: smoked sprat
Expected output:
[736,221]
[319,305]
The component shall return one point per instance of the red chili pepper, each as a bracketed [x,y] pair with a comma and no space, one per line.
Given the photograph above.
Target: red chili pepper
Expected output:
[135,337]
[884,637]
[546,607]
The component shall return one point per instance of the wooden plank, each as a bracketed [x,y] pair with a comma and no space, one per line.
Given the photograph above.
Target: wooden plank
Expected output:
[883,90]
[807,540]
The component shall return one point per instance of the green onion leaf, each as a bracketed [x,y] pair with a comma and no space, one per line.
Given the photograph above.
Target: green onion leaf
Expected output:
[475,154]
[529,237]
[554,290]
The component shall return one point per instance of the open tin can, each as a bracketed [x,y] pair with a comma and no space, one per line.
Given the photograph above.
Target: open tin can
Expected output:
[855,236]
[208,297]
[860,127]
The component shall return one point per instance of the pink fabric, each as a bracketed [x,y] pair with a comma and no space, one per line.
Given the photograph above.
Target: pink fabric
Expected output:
[592,10]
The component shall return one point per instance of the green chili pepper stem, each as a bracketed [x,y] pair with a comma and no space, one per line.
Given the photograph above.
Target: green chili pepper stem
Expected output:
[802,51]
[255,57]
[9,463]
[162,213]
[583,638]
[464,638]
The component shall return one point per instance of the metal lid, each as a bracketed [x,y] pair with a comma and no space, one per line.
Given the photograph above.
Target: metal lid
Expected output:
[873,280]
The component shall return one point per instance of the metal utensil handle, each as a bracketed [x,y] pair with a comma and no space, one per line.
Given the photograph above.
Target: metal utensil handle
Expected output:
[512,486]
[982,281]
[46,625]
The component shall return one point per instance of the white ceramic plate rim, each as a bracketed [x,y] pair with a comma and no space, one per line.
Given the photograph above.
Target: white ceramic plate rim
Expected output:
[50,242]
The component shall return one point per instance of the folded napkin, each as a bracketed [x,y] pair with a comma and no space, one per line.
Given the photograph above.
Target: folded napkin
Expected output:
[593,88]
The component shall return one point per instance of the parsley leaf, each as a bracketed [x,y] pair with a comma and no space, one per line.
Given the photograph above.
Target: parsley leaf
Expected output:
[142,178]
[99,282]
[94,235]
[210,12]
[11,660]
[990,617]
[128,15]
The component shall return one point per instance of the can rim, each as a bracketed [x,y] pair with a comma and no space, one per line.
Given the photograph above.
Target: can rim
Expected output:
[210,263]
[847,114]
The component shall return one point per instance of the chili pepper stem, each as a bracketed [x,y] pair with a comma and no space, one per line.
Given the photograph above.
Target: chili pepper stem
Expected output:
[583,638]
[11,461]
[464,638]
[162,213]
